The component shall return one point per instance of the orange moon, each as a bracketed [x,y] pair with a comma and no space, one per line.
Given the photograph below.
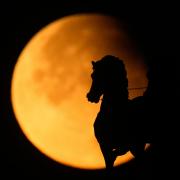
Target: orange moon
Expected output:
[52,76]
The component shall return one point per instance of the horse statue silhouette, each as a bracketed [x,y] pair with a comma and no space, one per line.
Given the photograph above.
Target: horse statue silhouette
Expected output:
[114,129]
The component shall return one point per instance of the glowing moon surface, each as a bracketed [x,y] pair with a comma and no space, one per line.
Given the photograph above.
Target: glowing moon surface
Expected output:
[51,79]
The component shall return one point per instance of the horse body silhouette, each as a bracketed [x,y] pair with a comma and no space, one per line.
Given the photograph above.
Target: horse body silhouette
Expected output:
[112,125]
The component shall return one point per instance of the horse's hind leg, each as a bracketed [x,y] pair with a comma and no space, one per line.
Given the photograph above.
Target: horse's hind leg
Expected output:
[121,150]
[138,150]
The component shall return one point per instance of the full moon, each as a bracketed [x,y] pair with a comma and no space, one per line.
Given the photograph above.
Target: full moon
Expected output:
[52,77]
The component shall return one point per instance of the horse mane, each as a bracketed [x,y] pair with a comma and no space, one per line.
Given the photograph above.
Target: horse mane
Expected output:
[110,63]
[112,68]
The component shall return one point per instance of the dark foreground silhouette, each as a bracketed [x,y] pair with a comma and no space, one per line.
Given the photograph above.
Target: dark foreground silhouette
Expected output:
[120,123]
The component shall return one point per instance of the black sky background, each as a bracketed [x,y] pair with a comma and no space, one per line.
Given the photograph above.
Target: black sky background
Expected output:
[153,27]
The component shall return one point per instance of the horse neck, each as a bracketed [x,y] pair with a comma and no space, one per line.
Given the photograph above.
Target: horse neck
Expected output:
[117,94]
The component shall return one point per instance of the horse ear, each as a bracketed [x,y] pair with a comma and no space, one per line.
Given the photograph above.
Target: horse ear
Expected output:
[93,63]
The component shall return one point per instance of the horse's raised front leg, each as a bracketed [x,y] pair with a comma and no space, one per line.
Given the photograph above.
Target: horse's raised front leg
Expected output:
[102,135]
[106,149]
[109,156]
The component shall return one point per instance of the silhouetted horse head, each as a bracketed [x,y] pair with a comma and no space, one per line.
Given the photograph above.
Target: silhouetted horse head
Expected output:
[108,72]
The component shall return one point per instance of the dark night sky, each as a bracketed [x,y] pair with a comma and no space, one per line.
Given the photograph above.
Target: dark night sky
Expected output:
[153,28]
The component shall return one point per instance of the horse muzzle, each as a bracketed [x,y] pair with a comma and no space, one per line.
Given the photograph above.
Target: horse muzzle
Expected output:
[92,99]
